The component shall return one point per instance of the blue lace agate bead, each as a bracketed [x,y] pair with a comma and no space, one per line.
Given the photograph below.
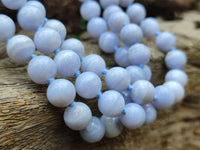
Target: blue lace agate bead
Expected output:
[20,48]
[121,56]
[41,68]
[77,116]
[147,72]
[106,3]
[136,73]
[151,113]
[13,4]
[125,3]
[94,132]
[110,10]
[127,96]
[37,4]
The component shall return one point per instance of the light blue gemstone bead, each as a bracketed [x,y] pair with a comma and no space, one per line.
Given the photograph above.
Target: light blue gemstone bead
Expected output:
[134,116]
[143,92]
[61,93]
[139,54]
[90,9]
[67,62]
[41,68]
[117,20]
[177,75]
[30,17]
[175,59]
[93,63]
[147,72]
[58,26]
[136,73]
[108,41]
[113,126]
[47,40]
[111,103]
[149,27]
[20,48]
[164,97]
[10,4]
[151,113]
[7,28]
[131,34]
[77,117]
[106,3]
[110,10]
[136,12]
[88,85]
[117,78]
[94,132]
[121,57]
[177,89]
[37,4]
[127,96]
[165,41]
[125,3]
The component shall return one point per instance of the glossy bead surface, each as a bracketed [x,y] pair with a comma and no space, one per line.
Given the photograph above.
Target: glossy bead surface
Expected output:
[121,56]
[10,4]
[151,113]
[127,96]
[136,73]
[147,72]
[110,10]
[125,3]
[37,4]
[106,3]
[20,48]
[77,117]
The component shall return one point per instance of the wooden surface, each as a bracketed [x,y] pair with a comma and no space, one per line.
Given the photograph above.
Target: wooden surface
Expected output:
[28,121]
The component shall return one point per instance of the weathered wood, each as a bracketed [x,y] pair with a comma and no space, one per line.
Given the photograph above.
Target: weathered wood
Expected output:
[28,121]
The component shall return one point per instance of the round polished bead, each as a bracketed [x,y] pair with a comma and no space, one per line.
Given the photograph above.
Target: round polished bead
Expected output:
[113,126]
[88,85]
[20,48]
[125,3]
[151,113]
[127,96]
[111,103]
[37,4]
[136,12]
[121,57]
[7,28]
[94,132]
[134,116]
[136,73]
[117,78]
[90,9]
[30,17]
[93,63]
[143,92]
[41,68]
[139,54]
[10,4]
[67,62]
[74,45]
[47,40]
[78,116]
[106,3]
[117,20]
[131,34]
[147,72]
[110,10]
[61,93]
[108,41]
[175,59]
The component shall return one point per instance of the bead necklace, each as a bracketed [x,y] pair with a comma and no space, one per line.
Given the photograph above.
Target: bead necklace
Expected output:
[131,99]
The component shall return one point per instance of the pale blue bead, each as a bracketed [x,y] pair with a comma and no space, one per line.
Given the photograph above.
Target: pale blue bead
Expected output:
[47,40]
[151,113]
[7,28]
[20,48]
[149,27]
[94,132]
[108,41]
[164,97]
[139,54]
[127,96]
[143,92]
[131,34]
[111,103]
[175,59]
[90,9]
[93,63]
[41,68]
[177,89]
[177,75]
[110,10]
[136,12]
[147,72]
[121,57]
[61,93]
[165,41]
[67,62]
[88,85]
[134,116]
[13,4]
[136,73]
[37,4]
[30,17]
[117,78]
[106,3]
[117,20]
[113,126]
[74,45]
[58,26]
[125,3]
[78,116]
